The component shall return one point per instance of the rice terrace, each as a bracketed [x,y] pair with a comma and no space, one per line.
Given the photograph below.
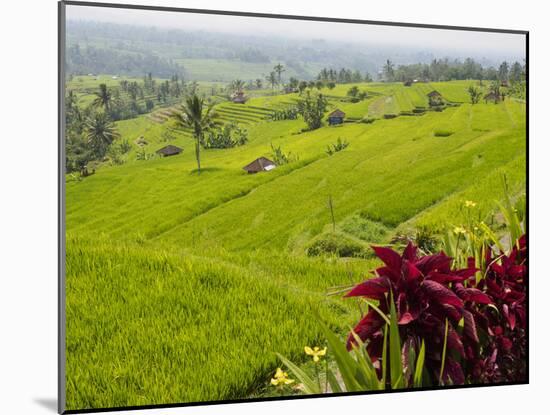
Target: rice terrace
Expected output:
[223,202]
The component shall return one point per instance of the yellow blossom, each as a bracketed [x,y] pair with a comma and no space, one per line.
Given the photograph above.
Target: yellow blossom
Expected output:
[459,230]
[315,352]
[470,204]
[281,378]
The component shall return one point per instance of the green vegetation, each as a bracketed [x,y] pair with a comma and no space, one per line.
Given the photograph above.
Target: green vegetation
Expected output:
[203,278]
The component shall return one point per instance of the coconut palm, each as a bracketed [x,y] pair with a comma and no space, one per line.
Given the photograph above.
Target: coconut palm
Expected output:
[100,133]
[279,69]
[272,79]
[103,97]
[237,85]
[197,116]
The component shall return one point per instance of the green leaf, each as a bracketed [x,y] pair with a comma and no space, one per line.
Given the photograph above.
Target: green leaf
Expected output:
[444,354]
[384,316]
[346,364]
[385,358]
[333,382]
[369,379]
[310,386]
[417,381]
[396,364]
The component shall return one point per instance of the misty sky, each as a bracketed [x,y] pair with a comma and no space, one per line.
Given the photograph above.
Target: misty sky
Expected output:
[451,42]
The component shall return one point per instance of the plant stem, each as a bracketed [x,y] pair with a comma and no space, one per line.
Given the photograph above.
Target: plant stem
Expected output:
[444,355]
[318,375]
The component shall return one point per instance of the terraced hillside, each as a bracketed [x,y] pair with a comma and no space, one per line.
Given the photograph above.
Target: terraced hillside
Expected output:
[201,276]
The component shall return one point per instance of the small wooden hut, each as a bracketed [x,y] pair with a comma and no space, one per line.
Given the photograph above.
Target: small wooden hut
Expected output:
[336,117]
[169,150]
[260,164]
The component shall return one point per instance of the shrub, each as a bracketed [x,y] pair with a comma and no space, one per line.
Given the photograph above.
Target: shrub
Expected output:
[469,325]
[426,239]
[285,114]
[337,244]
[336,147]
[389,116]
[280,157]
[228,136]
[363,228]
[141,155]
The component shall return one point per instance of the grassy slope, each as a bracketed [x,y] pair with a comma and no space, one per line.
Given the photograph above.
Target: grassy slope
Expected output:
[200,266]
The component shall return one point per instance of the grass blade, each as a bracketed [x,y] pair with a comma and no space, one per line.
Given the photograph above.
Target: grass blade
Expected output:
[444,354]
[396,364]
[310,386]
[417,380]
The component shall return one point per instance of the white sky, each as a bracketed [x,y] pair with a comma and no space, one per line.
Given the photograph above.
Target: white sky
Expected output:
[461,42]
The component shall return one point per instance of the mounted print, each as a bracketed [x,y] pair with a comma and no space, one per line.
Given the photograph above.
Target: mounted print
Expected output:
[258,207]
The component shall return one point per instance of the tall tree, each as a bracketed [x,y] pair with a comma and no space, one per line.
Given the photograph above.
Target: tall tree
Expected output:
[103,97]
[312,108]
[475,94]
[279,69]
[503,71]
[388,70]
[237,85]
[197,116]
[516,72]
[272,79]
[100,133]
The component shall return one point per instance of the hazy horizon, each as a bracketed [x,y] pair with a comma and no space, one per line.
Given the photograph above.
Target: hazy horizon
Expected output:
[450,43]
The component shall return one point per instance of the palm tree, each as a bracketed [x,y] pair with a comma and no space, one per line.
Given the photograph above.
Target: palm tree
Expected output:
[198,117]
[100,133]
[279,69]
[237,85]
[388,70]
[103,97]
[272,79]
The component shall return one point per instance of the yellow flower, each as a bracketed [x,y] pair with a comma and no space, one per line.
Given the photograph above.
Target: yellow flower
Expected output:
[459,230]
[281,378]
[315,352]
[470,204]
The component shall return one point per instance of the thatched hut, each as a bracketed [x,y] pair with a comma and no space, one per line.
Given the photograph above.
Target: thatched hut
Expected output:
[260,164]
[169,150]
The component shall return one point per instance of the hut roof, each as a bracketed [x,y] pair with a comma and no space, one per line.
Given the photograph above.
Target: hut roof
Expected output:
[337,113]
[169,150]
[434,93]
[238,96]
[260,164]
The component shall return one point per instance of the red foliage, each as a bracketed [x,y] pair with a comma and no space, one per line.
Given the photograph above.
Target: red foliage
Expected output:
[485,319]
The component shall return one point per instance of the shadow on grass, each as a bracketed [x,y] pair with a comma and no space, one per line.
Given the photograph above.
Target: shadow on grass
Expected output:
[204,170]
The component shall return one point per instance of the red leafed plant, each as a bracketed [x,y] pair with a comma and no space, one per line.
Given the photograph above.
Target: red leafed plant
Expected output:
[473,328]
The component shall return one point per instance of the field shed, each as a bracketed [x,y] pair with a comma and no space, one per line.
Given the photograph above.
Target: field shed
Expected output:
[239,97]
[169,150]
[491,96]
[336,117]
[260,164]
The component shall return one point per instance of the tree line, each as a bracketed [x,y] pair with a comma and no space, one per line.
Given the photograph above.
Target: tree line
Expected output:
[446,70]
[81,61]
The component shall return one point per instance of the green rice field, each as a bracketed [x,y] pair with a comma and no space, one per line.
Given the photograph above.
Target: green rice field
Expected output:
[182,287]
